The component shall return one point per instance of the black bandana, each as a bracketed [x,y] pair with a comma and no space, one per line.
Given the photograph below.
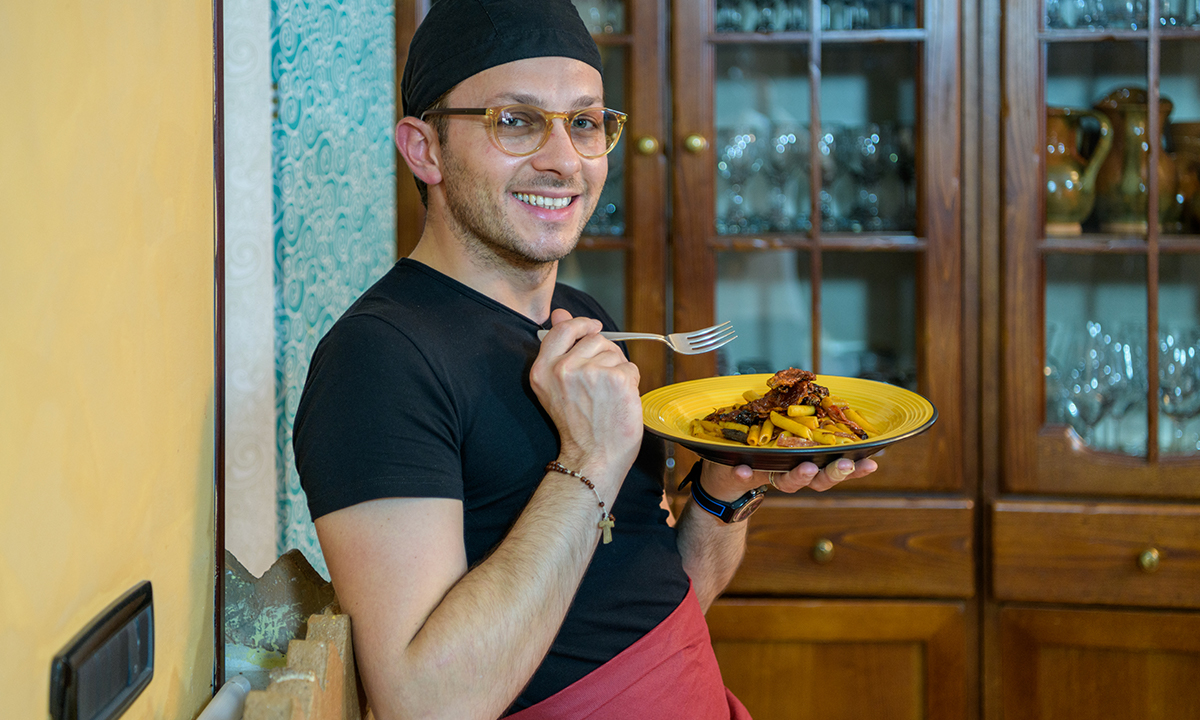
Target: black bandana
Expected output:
[459,38]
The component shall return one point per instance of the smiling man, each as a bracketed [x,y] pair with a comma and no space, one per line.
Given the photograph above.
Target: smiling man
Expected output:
[488,506]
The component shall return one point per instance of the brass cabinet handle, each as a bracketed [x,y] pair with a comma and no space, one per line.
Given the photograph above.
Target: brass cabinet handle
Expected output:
[822,551]
[1148,560]
[647,145]
[696,143]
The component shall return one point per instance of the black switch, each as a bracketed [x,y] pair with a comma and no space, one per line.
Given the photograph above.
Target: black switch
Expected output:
[106,666]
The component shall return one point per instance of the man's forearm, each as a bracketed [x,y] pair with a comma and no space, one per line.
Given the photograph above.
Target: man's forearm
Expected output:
[711,550]
[484,640]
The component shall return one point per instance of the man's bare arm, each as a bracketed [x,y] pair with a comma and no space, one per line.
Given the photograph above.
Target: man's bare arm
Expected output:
[434,640]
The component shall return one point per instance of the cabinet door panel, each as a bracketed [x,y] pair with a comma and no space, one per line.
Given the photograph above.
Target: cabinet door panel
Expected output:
[1083,664]
[843,660]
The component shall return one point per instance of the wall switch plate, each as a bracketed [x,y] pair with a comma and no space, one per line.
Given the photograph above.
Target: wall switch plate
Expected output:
[108,663]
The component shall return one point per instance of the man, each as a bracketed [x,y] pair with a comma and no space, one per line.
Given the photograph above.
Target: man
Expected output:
[464,478]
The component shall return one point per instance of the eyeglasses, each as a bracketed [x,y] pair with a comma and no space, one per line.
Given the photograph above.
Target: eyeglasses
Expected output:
[522,130]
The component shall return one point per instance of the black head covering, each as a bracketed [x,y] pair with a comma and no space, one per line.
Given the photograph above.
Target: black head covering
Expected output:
[459,38]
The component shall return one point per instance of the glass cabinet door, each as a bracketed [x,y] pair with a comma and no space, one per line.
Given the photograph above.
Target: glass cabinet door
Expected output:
[1102,248]
[816,166]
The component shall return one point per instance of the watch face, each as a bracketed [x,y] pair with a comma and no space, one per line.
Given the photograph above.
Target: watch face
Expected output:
[747,508]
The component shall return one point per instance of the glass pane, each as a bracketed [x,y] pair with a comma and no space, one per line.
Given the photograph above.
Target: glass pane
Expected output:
[599,273]
[1097,14]
[762,16]
[768,298]
[868,316]
[868,14]
[1181,83]
[1096,363]
[1179,354]
[1179,13]
[1098,182]
[609,216]
[762,141]
[602,16]
[868,123]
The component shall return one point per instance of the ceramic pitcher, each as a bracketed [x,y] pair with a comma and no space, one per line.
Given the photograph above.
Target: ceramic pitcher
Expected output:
[1186,139]
[1070,177]
[1121,186]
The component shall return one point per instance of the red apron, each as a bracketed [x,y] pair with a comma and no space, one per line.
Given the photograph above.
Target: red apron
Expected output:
[671,672]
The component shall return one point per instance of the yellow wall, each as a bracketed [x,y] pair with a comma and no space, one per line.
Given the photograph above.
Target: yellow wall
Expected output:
[106,350]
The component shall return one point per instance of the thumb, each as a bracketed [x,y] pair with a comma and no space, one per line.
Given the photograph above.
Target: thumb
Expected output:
[559,315]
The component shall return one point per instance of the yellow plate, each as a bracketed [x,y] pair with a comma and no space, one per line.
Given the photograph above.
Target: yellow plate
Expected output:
[896,412]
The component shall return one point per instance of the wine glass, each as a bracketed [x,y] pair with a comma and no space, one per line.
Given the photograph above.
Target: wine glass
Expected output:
[1090,382]
[738,160]
[783,156]
[1179,384]
[728,16]
[1130,389]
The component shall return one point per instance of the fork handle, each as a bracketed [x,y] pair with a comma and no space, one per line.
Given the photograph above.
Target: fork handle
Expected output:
[618,335]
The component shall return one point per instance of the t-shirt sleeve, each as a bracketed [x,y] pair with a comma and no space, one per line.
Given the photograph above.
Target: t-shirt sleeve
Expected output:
[374,421]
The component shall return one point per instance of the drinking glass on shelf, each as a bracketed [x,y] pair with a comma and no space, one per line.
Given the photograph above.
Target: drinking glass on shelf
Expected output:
[1179,386]
[1090,382]
[1127,414]
[833,179]
[771,16]
[728,16]
[738,160]
[797,15]
[784,155]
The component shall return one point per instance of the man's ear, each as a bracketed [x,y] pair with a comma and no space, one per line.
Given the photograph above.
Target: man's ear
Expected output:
[418,145]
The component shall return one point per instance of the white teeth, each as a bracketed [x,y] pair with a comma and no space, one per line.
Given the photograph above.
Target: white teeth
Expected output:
[542,201]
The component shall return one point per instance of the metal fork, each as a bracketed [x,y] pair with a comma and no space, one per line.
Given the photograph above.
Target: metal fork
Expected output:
[691,343]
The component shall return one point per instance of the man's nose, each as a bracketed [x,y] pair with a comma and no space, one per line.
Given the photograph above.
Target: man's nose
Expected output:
[558,154]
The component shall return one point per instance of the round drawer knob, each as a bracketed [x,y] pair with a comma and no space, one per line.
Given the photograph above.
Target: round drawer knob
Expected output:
[647,145]
[695,143]
[1148,560]
[822,551]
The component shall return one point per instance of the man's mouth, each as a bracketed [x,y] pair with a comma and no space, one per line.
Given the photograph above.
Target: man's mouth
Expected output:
[549,203]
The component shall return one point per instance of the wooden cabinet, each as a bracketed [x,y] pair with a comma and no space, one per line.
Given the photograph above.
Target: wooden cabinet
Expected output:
[1092,550]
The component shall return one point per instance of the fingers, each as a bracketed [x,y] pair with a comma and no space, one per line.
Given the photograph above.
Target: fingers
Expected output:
[821,479]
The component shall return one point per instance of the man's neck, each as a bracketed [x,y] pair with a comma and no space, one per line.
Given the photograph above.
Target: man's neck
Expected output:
[527,291]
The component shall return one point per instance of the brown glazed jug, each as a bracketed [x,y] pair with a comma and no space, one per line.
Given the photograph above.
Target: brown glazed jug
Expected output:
[1070,177]
[1121,186]
[1186,138]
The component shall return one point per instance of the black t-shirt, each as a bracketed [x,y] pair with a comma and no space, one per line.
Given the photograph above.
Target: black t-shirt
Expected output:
[421,389]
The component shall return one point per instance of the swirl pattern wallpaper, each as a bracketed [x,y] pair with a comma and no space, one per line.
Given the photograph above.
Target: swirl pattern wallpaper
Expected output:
[334,189]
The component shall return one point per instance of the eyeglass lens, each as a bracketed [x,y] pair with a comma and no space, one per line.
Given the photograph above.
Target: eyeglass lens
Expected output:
[521,129]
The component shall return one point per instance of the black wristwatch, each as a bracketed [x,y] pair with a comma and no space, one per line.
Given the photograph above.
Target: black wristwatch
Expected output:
[730,512]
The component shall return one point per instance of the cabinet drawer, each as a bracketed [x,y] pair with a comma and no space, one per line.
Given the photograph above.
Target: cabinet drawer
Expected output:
[1102,553]
[859,547]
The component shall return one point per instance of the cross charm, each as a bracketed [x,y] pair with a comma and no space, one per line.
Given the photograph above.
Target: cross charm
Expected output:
[606,524]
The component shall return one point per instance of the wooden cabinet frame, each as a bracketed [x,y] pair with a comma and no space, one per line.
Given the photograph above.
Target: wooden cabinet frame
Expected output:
[934,461]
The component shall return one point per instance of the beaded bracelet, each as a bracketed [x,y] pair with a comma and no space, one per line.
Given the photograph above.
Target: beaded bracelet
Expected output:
[607,521]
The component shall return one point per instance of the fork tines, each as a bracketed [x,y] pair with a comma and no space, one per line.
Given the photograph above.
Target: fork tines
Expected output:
[715,335]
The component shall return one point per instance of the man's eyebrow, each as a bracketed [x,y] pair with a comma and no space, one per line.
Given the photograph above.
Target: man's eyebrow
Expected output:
[584,101]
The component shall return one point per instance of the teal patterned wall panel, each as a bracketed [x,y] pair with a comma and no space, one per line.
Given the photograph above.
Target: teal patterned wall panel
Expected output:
[333,66]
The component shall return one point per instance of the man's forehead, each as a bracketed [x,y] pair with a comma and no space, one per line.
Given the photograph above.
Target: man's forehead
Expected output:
[549,82]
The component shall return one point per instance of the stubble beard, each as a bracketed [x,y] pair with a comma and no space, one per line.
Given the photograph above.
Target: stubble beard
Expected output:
[478,221]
